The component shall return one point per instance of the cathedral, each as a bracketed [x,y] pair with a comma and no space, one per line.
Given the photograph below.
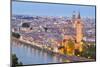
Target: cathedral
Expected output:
[71,43]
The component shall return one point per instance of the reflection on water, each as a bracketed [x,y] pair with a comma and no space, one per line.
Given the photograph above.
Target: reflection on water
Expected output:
[30,55]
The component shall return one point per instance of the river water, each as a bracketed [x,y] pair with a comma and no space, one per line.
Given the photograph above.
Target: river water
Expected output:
[30,55]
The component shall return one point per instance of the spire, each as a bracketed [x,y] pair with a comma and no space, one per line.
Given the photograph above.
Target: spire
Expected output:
[79,17]
[73,16]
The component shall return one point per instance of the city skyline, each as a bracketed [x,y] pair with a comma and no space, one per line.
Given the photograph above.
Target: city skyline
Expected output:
[41,9]
[43,33]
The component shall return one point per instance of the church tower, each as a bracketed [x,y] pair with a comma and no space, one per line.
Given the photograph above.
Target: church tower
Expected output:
[79,32]
[73,17]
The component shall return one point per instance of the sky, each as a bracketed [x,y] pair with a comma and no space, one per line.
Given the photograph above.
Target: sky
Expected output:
[45,9]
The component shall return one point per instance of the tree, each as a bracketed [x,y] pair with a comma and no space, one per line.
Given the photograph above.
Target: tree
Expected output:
[15,61]
[25,25]
[70,47]
[84,47]
[90,52]
[17,35]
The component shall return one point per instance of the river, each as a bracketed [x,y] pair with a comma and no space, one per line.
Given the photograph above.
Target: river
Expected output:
[30,55]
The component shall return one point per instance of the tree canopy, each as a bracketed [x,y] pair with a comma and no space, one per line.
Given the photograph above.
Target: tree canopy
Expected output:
[15,61]
[25,25]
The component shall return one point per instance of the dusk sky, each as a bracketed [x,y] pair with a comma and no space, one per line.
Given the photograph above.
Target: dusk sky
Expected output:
[45,9]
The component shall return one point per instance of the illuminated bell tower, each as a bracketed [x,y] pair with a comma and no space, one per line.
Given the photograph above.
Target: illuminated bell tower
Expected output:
[79,32]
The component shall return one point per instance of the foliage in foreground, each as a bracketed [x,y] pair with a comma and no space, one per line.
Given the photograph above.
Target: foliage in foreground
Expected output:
[15,61]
